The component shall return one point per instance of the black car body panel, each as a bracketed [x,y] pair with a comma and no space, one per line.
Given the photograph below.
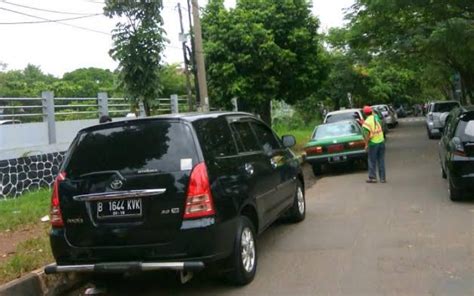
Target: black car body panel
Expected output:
[248,168]
[456,150]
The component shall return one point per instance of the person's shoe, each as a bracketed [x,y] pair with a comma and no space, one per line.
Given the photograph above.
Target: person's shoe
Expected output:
[383,181]
[370,180]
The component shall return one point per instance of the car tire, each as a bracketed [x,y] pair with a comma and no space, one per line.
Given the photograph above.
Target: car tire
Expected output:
[430,136]
[243,269]
[297,212]
[454,194]
[317,169]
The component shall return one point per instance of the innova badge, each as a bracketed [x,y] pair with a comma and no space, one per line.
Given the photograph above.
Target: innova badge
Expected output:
[116,184]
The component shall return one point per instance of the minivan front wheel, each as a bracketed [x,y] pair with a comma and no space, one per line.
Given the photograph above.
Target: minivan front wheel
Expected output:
[244,257]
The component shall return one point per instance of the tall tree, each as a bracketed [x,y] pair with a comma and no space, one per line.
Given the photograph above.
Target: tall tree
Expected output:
[138,42]
[260,51]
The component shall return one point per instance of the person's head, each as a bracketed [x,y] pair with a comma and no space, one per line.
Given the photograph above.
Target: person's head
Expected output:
[105,119]
[367,110]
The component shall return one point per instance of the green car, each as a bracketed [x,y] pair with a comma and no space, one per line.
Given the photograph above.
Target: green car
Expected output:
[334,143]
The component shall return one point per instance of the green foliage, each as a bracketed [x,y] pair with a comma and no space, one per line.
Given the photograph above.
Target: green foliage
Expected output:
[262,50]
[417,35]
[172,80]
[138,43]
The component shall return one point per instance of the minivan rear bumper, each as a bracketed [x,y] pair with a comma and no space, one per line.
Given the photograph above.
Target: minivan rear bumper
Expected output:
[122,267]
[205,244]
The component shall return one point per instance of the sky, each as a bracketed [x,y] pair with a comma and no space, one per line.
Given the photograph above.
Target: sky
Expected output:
[59,48]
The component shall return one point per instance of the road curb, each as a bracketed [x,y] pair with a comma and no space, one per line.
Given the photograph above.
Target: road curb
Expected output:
[38,283]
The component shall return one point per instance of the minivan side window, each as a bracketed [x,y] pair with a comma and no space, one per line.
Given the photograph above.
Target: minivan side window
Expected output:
[215,138]
[245,137]
[266,137]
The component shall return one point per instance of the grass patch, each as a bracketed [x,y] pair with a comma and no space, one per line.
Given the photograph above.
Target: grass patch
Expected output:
[302,135]
[29,255]
[26,209]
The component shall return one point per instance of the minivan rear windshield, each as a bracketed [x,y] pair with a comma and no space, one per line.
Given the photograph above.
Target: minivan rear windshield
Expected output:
[139,147]
[444,107]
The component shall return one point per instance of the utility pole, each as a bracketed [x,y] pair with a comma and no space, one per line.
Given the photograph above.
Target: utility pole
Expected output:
[186,70]
[191,54]
[199,55]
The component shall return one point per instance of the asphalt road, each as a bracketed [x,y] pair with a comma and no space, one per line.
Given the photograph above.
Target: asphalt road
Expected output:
[401,238]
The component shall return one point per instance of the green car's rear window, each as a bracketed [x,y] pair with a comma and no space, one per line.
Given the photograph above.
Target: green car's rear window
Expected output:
[338,129]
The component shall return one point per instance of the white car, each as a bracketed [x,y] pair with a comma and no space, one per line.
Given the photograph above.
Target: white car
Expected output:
[7,122]
[389,116]
[346,114]
[434,120]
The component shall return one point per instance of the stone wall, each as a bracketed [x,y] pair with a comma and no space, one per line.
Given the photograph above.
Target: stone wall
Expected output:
[28,173]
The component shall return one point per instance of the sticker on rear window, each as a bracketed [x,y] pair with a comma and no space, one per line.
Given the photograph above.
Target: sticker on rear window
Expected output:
[186,164]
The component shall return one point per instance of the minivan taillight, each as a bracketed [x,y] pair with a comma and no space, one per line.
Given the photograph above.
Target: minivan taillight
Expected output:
[56,217]
[199,201]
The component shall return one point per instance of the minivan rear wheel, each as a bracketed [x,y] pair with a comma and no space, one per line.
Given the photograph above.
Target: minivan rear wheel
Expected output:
[297,212]
[244,257]
[454,194]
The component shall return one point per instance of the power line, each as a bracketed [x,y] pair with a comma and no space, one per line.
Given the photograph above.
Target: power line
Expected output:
[55,21]
[47,21]
[45,10]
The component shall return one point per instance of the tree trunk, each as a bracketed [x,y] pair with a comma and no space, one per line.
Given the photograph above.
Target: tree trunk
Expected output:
[265,112]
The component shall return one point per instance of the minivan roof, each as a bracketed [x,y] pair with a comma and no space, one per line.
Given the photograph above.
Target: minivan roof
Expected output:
[190,117]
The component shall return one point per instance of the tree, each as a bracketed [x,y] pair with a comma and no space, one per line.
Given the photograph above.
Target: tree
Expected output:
[428,33]
[138,42]
[261,51]
[173,80]
[87,82]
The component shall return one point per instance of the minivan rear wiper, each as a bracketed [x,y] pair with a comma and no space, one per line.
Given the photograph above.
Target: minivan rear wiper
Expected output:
[104,173]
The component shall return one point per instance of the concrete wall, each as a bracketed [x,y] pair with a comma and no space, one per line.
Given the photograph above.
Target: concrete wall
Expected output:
[32,138]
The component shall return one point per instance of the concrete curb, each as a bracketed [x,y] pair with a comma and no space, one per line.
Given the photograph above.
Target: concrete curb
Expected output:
[38,283]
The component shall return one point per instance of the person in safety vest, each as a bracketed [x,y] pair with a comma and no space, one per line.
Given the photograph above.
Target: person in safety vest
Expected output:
[375,145]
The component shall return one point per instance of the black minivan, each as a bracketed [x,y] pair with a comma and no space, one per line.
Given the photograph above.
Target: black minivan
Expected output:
[175,192]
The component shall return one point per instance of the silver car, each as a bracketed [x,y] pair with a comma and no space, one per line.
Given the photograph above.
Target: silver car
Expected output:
[434,116]
[389,116]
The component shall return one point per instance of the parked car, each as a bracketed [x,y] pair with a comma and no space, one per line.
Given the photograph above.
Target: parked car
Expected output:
[456,152]
[401,112]
[179,192]
[8,122]
[335,143]
[434,125]
[385,128]
[389,116]
[345,114]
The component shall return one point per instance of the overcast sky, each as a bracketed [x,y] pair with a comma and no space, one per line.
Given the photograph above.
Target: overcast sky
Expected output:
[58,48]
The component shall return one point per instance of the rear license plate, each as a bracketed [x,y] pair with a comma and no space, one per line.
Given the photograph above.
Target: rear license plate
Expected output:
[336,158]
[119,208]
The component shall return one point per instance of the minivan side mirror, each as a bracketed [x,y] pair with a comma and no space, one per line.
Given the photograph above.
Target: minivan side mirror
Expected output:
[288,141]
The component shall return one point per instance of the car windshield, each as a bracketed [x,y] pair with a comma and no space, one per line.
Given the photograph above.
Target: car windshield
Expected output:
[336,130]
[335,117]
[444,107]
[159,146]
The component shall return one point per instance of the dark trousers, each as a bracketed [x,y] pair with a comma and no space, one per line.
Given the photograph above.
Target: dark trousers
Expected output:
[376,155]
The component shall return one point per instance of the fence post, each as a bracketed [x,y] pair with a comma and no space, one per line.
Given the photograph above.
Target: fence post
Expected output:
[141,109]
[103,103]
[235,104]
[48,114]
[174,104]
